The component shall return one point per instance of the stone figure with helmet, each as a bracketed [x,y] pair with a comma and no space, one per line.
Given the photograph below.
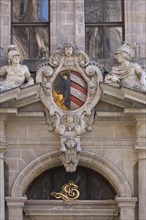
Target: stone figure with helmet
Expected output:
[127,74]
[14,74]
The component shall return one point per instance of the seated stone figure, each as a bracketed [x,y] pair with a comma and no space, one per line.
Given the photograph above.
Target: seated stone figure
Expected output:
[14,74]
[127,74]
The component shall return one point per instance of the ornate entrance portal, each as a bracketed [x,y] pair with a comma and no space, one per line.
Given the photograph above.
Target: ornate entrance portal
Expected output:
[98,183]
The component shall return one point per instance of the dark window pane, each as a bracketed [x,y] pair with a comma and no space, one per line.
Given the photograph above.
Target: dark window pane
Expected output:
[21,39]
[93,11]
[39,41]
[113,40]
[91,185]
[94,42]
[113,12]
[30,11]
[103,27]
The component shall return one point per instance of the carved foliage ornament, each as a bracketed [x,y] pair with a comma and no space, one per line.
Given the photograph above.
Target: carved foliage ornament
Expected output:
[70,90]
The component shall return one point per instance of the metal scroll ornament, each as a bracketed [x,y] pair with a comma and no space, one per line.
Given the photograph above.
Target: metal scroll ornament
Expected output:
[69,192]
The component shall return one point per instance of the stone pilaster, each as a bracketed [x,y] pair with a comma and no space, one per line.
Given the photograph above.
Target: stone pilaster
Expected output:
[127,207]
[3,150]
[55,24]
[79,24]
[5,23]
[140,149]
[15,207]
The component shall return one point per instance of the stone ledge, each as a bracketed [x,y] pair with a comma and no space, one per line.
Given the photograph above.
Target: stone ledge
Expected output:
[77,208]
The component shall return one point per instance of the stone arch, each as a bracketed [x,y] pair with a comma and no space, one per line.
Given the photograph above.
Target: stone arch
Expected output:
[92,161]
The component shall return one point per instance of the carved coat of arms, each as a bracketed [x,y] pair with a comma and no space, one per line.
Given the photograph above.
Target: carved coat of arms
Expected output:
[70,90]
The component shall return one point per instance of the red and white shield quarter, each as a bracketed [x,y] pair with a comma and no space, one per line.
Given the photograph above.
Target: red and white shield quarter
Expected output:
[78,90]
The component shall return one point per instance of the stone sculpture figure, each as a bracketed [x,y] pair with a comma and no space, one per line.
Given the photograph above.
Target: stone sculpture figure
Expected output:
[70,150]
[14,74]
[127,74]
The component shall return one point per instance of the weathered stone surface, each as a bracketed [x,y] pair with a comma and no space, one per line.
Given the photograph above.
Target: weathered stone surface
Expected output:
[117,135]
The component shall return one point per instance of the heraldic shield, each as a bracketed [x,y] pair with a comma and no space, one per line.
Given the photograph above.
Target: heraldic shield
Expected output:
[70,89]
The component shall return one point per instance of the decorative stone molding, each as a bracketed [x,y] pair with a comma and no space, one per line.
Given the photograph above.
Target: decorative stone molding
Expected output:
[69,90]
[47,161]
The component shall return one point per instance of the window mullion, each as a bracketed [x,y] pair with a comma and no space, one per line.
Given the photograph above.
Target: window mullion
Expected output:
[103,10]
[31,10]
[104,42]
[30,40]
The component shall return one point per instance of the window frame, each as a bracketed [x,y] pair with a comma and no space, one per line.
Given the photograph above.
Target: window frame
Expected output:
[30,25]
[105,24]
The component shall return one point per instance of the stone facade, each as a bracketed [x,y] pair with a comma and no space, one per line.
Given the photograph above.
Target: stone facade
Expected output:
[116,146]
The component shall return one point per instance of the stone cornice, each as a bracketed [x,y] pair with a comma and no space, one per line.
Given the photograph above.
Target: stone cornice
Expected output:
[16,202]
[123,97]
[126,202]
[141,151]
[4,111]
[135,111]
[3,150]
[18,94]
[78,208]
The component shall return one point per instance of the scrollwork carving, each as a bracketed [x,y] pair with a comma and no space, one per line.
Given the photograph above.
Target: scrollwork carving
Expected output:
[69,90]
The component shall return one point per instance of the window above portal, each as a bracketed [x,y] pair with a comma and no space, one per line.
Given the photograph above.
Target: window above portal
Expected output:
[104,27]
[30,27]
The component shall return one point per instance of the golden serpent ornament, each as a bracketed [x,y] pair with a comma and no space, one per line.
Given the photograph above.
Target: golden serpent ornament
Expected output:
[69,192]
